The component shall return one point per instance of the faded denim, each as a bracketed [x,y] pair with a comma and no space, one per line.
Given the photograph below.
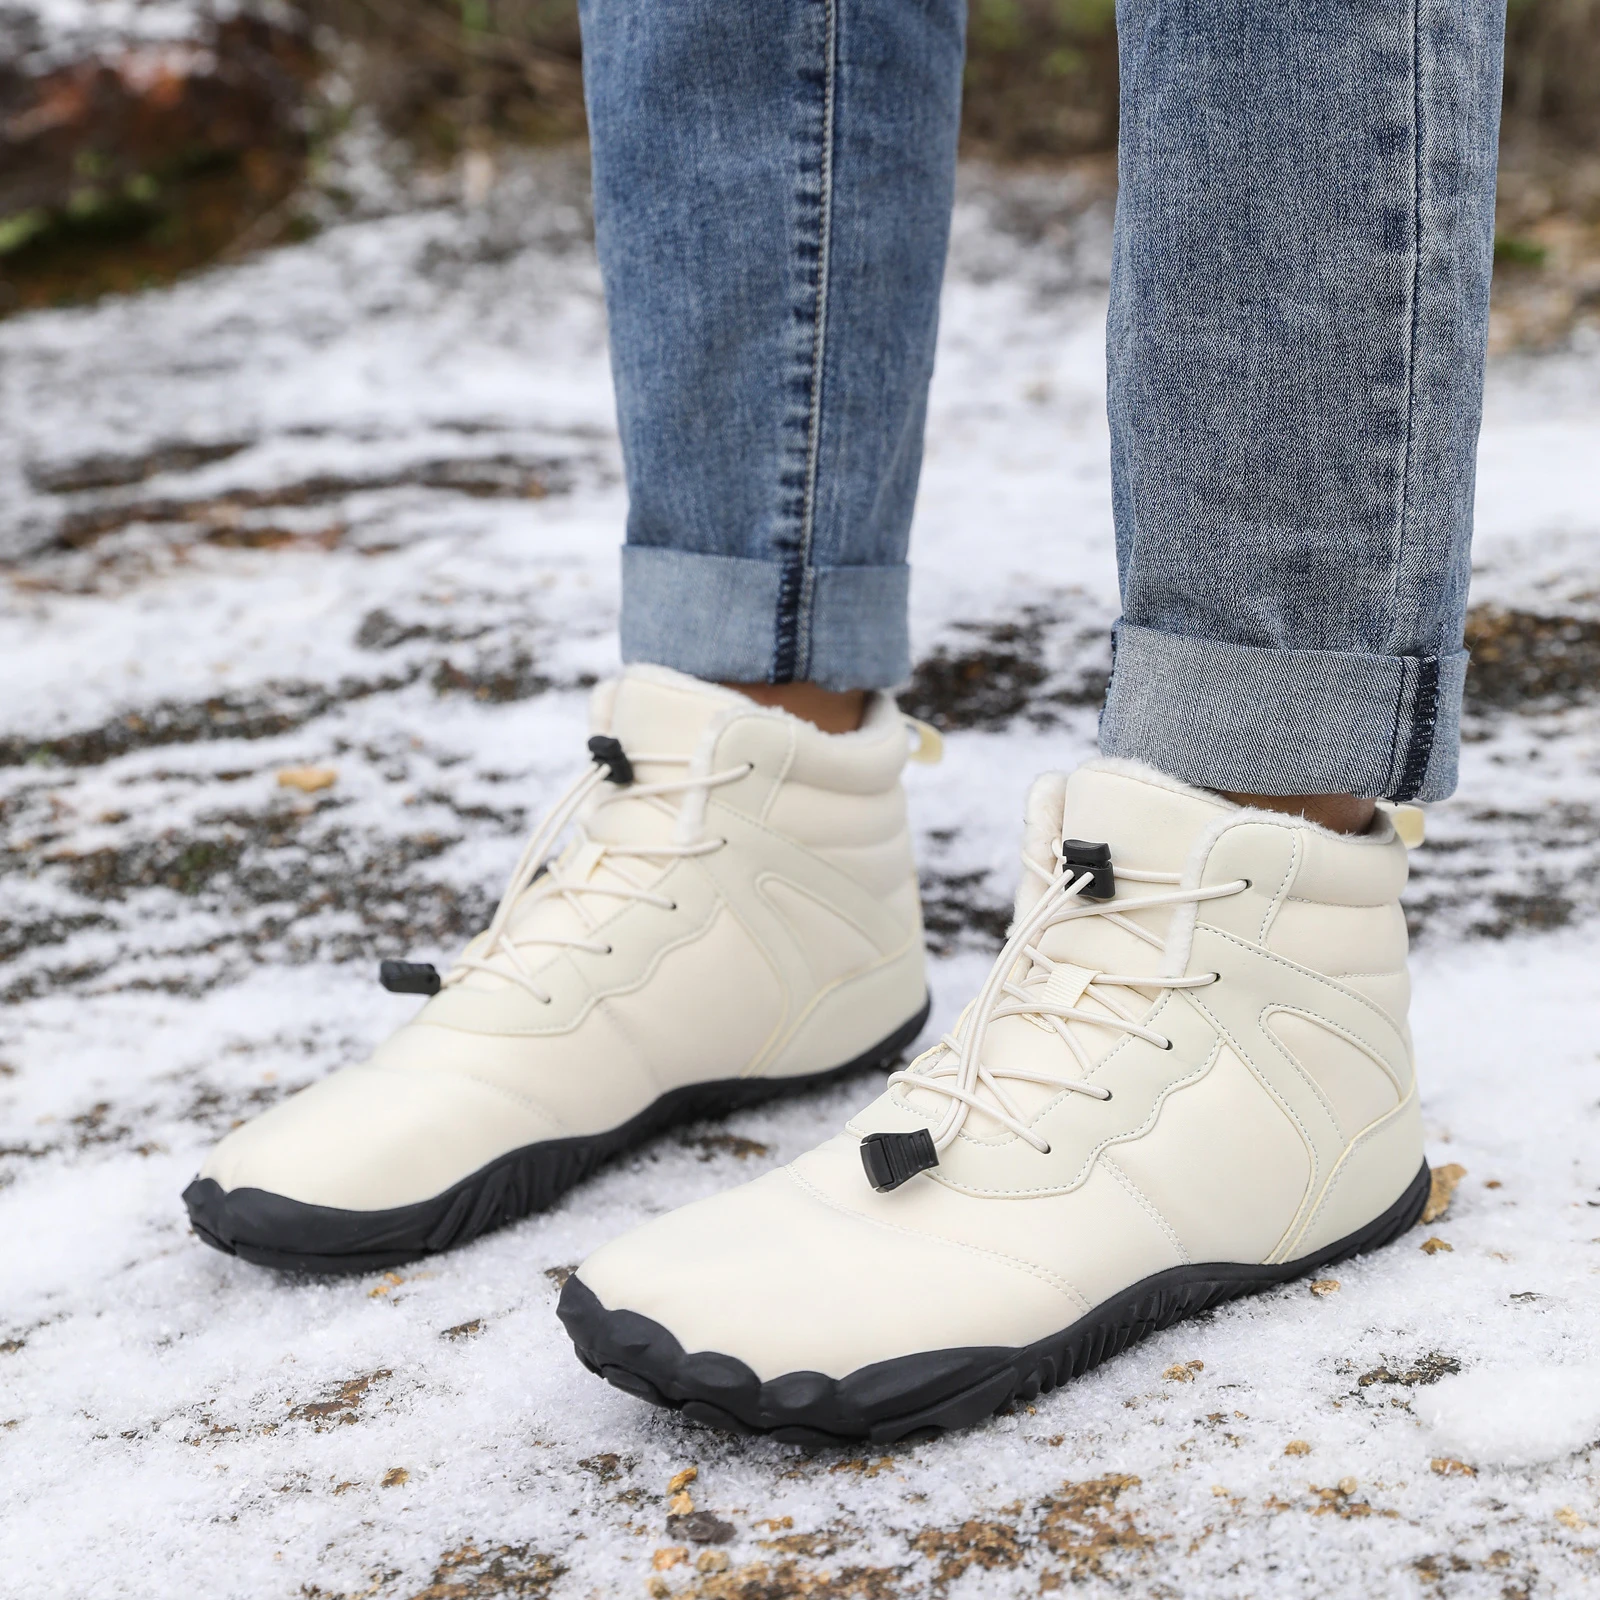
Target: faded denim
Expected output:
[1295,345]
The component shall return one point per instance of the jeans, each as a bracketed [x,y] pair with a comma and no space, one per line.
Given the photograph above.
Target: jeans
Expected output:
[1299,307]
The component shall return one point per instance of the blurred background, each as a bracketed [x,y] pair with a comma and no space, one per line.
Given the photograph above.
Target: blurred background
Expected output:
[138,142]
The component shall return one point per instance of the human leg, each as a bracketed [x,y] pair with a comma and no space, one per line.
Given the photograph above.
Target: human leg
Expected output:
[1295,357]
[772,193]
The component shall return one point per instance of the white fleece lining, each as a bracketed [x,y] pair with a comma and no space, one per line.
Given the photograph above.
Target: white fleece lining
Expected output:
[1042,818]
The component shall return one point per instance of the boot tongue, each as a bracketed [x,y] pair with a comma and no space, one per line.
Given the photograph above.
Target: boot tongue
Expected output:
[655,711]
[649,711]
[1150,822]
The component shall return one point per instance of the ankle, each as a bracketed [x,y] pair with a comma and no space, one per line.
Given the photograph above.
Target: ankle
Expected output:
[831,710]
[1339,813]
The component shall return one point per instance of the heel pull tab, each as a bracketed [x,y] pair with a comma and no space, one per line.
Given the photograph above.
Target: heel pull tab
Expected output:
[929,748]
[891,1158]
[1079,856]
[608,753]
[1409,822]
[409,977]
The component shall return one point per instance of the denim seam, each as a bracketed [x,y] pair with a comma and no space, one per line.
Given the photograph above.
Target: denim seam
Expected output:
[1424,720]
[1404,509]
[1398,744]
[792,655]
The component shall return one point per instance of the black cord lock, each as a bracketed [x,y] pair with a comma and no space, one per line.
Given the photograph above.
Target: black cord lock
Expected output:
[891,1158]
[409,977]
[608,753]
[1079,856]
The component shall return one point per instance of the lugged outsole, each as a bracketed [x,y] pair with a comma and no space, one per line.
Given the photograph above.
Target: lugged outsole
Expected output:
[935,1389]
[273,1231]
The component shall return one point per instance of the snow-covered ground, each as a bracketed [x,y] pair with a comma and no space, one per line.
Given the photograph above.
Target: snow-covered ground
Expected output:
[356,503]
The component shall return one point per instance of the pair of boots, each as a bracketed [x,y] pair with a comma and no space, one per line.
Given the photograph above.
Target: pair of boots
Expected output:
[1188,1075]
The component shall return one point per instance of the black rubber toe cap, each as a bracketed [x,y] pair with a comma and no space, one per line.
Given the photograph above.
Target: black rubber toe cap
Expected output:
[274,1231]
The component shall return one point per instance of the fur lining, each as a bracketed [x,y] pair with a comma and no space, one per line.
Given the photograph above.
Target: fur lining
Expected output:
[1380,833]
[1042,816]
[603,705]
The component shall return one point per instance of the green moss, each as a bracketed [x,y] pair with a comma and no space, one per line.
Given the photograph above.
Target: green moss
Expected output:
[1512,251]
[21,228]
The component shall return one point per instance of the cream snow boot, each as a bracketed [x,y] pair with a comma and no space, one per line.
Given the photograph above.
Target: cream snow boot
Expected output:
[1187,1077]
[735,917]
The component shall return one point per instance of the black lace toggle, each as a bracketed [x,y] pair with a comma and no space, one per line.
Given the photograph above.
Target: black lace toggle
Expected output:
[608,753]
[409,977]
[892,1158]
[1079,856]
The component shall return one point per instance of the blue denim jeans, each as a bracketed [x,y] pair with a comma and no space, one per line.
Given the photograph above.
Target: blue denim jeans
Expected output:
[1296,337]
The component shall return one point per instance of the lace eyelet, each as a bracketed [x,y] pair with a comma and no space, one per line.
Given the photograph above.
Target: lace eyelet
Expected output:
[1166,1044]
[1248,883]
[1216,977]
[607,951]
[1045,1151]
[672,905]
[1107,1098]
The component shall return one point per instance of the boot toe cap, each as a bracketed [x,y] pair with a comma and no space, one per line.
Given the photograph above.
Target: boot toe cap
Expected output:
[780,1278]
[366,1139]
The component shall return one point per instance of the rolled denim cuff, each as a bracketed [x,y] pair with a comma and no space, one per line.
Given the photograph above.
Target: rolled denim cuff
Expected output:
[721,617]
[1228,716]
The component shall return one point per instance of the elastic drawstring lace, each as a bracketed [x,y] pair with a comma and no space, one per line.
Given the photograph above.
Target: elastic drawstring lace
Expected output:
[498,942]
[962,1072]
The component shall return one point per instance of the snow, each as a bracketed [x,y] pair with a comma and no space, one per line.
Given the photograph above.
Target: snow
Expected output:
[1515,1416]
[182,941]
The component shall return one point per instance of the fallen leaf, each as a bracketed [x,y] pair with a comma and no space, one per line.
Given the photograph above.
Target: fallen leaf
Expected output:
[1322,1286]
[1441,1190]
[712,1561]
[682,1480]
[1297,1447]
[680,1505]
[308,779]
[1449,1467]
[394,1477]
[1433,1246]
[671,1555]
[1568,1518]
[1346,1487]
[390,1281]
[1183,1371]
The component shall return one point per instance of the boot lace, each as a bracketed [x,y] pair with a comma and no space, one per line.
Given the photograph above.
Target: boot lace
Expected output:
[959,1071]
[501,952]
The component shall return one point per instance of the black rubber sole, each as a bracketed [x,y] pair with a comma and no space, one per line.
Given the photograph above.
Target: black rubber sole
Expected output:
[273,1231]
[934,1389]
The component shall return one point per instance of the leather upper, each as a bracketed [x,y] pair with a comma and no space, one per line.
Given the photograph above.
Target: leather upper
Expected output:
[791,946]
[1282,1116]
